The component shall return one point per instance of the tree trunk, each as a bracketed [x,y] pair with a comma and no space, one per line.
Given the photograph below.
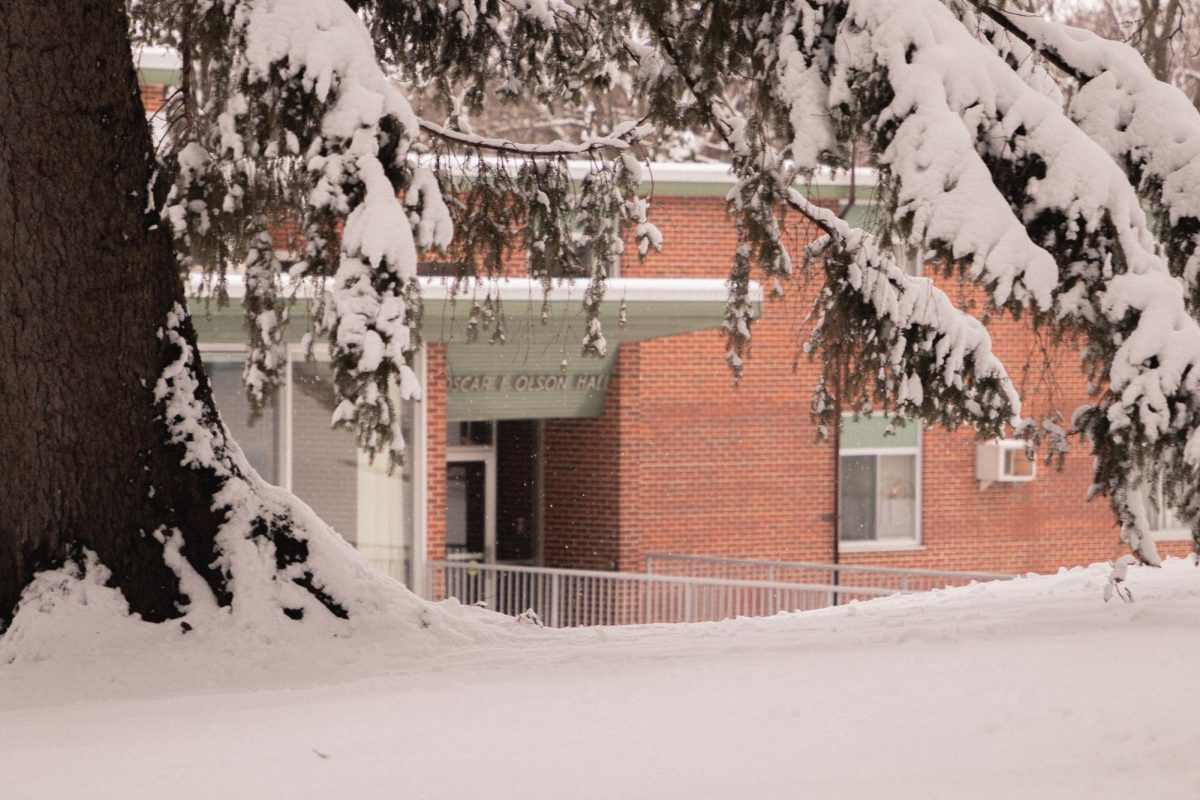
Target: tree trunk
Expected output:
[87,279]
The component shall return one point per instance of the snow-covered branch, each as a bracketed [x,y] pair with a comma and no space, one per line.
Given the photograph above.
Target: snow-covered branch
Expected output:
[910,350]
[345,160]
[986,168]
[1147,125]
[622,138]
[917,354]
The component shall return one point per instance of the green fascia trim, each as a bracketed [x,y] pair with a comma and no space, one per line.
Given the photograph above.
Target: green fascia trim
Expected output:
[217,325]
[446,321]
[680,189]
[665,188]
[160,77]
[863,215]
[873,432]
[538,371]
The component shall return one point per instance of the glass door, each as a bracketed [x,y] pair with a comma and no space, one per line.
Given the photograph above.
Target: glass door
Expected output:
[467,528]
[471,493]
[471,510]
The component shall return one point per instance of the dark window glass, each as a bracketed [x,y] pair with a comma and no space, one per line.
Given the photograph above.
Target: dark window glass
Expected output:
[439,269]
[856,498]
[468,434]
[516,490]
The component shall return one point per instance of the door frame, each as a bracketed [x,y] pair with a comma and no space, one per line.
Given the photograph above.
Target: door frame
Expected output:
[486,454]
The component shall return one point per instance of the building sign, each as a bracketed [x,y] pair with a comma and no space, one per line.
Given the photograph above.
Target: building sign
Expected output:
[485,382]
[527,383]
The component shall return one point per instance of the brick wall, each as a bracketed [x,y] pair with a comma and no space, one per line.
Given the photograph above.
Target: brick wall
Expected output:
[435,451]
[683,461]
[153,97]
[696,465]
[724,469]
[588,495]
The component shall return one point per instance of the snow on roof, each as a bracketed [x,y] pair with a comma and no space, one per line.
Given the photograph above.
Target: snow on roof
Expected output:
[157,58]
[675,172]
[678,290]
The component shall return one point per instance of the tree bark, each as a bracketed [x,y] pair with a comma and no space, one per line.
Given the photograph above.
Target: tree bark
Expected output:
[87,279]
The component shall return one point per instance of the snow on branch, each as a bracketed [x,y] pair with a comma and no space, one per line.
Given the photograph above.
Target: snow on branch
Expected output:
[622,137]
[945,112]
[916,353]
[906,345]
[306,119]
[921,98]
[1147,125]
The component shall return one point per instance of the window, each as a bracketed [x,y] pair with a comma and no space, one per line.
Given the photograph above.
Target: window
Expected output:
[910,258]
[258,438]
[879,483]
[1164,524]
[325,468]
[292,445]
[470,434]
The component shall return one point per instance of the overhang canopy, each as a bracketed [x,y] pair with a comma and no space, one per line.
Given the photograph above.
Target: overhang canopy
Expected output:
[536,369]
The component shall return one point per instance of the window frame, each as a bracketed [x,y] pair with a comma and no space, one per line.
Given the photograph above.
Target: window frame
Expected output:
[1165,534]
[876,544]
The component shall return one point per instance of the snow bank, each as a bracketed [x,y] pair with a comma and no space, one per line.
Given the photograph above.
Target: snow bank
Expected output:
[1028,688]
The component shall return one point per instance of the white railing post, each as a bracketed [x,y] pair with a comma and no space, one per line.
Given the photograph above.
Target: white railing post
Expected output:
[689,602]
[773,601]
[555,591]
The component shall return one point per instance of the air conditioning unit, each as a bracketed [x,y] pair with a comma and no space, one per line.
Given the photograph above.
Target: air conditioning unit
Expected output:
[1003,461]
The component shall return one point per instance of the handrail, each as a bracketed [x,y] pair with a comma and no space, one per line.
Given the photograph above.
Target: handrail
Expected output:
[856,568]
[639,577]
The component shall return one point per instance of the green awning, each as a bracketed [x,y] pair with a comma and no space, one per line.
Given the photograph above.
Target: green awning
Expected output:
[538,371]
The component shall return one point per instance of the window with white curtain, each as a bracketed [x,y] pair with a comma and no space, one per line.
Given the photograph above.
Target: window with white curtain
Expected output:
[879,483]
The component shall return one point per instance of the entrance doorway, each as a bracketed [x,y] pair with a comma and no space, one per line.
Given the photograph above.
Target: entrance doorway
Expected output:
[493,492]
[492,509]
[471,492]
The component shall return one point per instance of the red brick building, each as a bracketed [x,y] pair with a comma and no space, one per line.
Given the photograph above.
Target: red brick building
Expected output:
[526,453]
[683,461]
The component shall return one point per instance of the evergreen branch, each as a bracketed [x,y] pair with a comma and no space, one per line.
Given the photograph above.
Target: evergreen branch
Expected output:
[623,137]
[1003,19]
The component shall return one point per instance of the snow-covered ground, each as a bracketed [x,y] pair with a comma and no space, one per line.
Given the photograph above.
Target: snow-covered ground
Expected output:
[1034,688]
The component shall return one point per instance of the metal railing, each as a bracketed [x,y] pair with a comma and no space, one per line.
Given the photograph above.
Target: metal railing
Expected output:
[564,598]
[843,576]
